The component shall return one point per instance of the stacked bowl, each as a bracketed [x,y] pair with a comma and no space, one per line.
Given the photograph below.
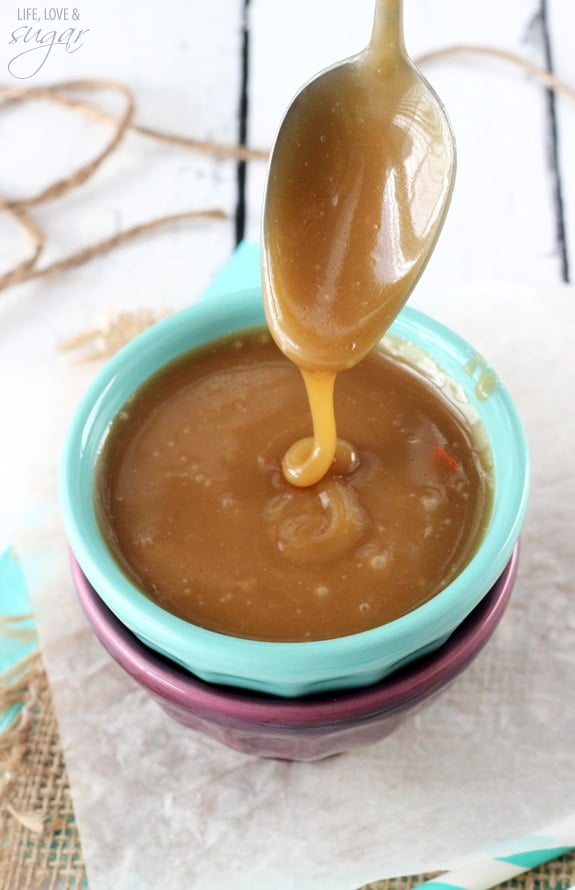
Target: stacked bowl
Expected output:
[305,700]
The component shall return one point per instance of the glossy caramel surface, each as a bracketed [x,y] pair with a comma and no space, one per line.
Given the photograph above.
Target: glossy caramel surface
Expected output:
[194,504]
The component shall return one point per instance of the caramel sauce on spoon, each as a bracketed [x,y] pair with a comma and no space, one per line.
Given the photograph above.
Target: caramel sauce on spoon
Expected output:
[359,183]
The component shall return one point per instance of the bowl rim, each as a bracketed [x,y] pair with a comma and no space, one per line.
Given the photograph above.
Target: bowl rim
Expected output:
[291,668]
[173,684]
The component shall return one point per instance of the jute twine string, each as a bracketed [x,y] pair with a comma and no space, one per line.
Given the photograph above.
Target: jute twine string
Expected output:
[83,173]
[29,268]
[32,737]
[545,77]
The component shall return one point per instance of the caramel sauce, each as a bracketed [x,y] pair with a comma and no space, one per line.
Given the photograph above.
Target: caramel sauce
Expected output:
[193,502]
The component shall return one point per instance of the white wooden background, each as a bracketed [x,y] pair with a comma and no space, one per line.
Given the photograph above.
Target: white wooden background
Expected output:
[513,212]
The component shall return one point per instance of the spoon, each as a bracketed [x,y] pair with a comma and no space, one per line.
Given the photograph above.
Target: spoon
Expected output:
[359,183]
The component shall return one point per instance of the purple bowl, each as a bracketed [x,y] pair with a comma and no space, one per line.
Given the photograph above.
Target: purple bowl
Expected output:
[307,728]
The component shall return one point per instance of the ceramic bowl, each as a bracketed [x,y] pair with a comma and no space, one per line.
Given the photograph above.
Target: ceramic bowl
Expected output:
[307,728]
[295,669]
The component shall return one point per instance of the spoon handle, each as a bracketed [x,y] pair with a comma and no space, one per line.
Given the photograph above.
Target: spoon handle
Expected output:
[387,43]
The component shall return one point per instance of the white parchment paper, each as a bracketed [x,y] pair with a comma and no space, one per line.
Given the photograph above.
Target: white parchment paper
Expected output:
[159,806]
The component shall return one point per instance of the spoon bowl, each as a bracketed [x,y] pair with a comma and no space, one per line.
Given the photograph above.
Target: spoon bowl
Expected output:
[359,183]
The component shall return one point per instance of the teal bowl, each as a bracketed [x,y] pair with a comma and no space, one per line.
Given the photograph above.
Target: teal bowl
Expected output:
[296,669]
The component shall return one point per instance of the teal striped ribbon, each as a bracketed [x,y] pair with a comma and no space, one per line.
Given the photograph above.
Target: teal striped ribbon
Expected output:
[489,872]
[532,858]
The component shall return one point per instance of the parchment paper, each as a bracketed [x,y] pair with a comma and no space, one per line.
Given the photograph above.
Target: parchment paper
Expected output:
[159,806]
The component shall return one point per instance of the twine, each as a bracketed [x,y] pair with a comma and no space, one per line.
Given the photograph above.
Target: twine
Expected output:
[547,78]
[29,268]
